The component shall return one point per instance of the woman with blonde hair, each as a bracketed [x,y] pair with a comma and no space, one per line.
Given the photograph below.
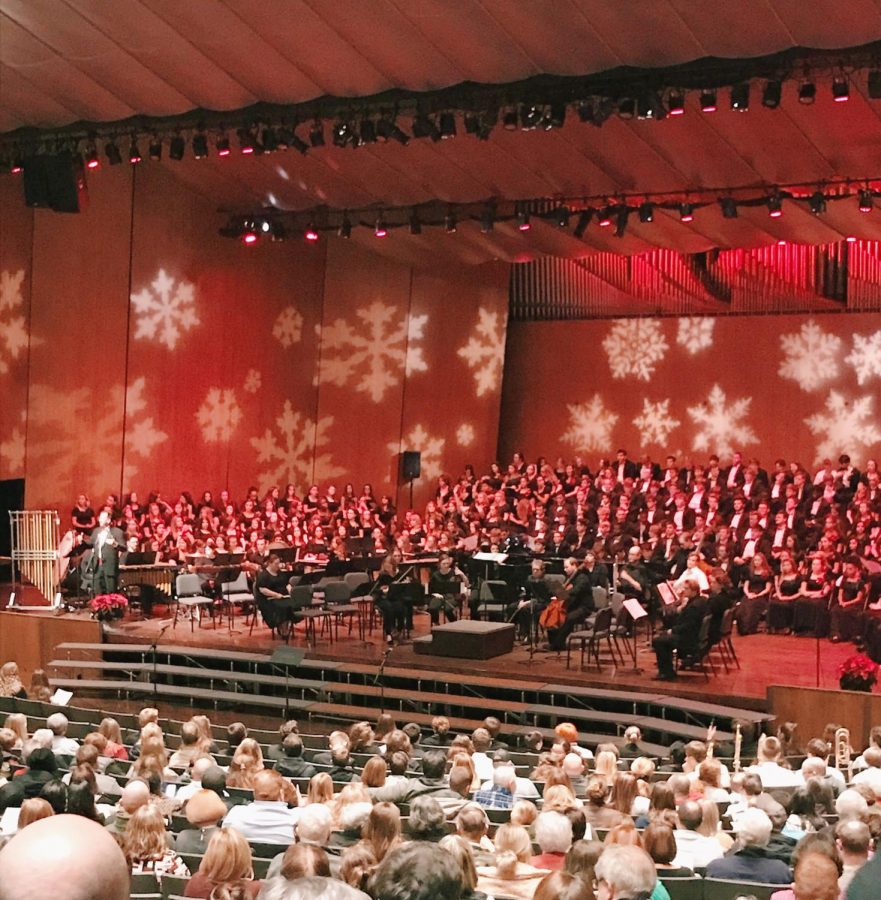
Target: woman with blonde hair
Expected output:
[206,739]
[227,862]
[17,723]
[458,848]
[624,834]
[512,875]
[353,792]
[464,760]
[558,798]
[625,797]
[10,682]
[111,730]
[33,809]
[145,844]
[606,767]
[356,866]
[40,688]
[711,826]
[374,773]
[524,813]
[320,789]
[382,833]
[247,761]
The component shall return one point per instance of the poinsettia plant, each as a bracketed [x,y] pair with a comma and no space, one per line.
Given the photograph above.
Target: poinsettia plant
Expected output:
[108,606]
[858,673]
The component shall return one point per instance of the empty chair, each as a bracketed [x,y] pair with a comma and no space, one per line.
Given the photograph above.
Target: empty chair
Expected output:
[238,591]
[188,588]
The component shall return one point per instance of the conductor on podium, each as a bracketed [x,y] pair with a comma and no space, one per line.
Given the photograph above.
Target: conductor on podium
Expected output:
[107,542]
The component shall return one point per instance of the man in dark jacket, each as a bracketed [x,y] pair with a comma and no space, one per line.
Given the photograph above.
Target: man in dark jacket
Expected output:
[291,764]
[683,636]
[579,603]
[41,767]
[748,859]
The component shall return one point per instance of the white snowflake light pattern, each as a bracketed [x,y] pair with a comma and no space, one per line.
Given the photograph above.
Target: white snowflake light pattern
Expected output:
[695,333]
[465,435]
[12,453]
[165,310]
[847,426]
[219,415]
[13,328]
[720,426]
[253,381]
[590,425]
[811,356]
[292,454]
[485,351]
[865,357]
[373,353]
[288,327]
[635,347]
[655,422]
[431,448]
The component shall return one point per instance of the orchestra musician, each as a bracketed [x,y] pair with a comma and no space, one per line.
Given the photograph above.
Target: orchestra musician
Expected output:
[445,588]
[578,603]
[392,609]
[536,597]
[684,633]
[270,586]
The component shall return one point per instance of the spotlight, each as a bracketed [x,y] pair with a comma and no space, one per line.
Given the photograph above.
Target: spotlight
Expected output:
[775,206]
[740,97]
[316,134]
[817,203]
[586,111]
[626,108]
[772,93]
[176,147]
[646,212]
[605,217]
[415,223]
[523,220]
[807,92]
[269,140]
[676,103]
[708,101]
[874,84]
[561,216]
[555,116]
[367,130]
[379,229]
[345,228]
[649,106]
[509,120]
[686,212]
[311,233]
[487,220]
[342,134]
[530,116]
[447,124]
[851,239]
[424,127]
[582,223]
[471,122]
[114,157]
[134,153]
[865,201]
[155,149]
[450,223]
[17,166]
[621,218]
[246,141]
[222,145]
[729,208]
[200,145]
[251,234]
[92,161]
[840,89]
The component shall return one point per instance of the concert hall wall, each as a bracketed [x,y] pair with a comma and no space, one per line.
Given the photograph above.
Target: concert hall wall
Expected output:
[230,366]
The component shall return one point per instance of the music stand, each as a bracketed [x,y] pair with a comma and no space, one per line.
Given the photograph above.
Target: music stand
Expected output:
[286,554]
[287,657]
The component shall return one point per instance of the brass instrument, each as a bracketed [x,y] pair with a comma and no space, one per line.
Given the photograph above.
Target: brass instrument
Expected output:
[738,741]
[843,759]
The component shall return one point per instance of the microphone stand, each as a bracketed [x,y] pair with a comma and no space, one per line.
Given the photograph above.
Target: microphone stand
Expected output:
[380,678]
[154,649]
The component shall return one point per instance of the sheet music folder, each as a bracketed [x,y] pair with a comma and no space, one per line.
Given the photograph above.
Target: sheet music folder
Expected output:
[635,608]
[491,557]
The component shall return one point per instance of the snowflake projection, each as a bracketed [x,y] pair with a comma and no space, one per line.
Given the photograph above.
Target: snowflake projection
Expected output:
[13,328]
[12,452]
[465,435]
[865,357]
[431,448]
[55,432]
[219,415]
[590,425]
[720,426]
[635,347]
[811,356]
[695,333]
[373,353]
[165,310]
[253,381]
[846,426]
[655,422]
[485,351]
[292,454]
[288,327]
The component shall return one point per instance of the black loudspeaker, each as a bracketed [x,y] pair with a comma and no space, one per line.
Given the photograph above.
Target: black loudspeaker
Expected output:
[55,182]
[411,464]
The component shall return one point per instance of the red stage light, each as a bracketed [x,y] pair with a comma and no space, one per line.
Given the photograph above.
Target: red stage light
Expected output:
[851,239]
[92,163]
[17,168]
[524,226]
[224,151]
[311,234]
[249,238]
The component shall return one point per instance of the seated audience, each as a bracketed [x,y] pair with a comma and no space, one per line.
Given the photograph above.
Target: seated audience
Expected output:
[204,811]
[146,845]
[227,862]
[553,834]
[267,819]
[748,860]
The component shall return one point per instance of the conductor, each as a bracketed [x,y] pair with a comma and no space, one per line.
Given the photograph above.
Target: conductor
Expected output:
[107,542]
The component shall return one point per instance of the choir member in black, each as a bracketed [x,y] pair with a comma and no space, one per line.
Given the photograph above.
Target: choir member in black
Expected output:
[579,601]
[535,599]
[684,634]
[811,613]
[82,516]
[317,546]
[721,597]
[597,573]
[270,586]
[633,578]
[849,604]
[756,591]
[444,588]
[787,586]
[393,610]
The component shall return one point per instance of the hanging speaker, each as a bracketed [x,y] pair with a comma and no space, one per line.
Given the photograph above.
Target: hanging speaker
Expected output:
[411,464]
[56,182]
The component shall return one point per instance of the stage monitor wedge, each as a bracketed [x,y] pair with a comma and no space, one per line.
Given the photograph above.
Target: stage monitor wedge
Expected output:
[56,182]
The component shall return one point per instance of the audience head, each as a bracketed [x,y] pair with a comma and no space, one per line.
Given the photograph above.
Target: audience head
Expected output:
[320,789]
[624,872]
[304,861]
[816,878]
[851,804]
[268,785]
[55,794]
[214,779]
[32,810]
[524,812]
[582,858]
[356,866]
[314,825]
[426,818]
[659,843]
[458,848]
[853,839]
[417,871]
[753,828]
[434,764]
[553,832]
[144,837]
[383,829]
[563,886]
[204,809]
[471,822]
[227,857]
[57,724]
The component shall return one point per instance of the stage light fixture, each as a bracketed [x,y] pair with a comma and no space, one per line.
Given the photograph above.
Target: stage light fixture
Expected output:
[626,108]
[583,221]
[775,206]
[708,101]
[605,217]
[523,220]
[471,123]
[586,111]
[865,201]
[425,127]
[447,125]
[817,203]
[200,145]
[367,130]
[134,153]
[342,134]
[530,116]
[154,151]
[851,239]
[251,233]
[450,223]
[269,140]
[647,212]
[621,218]
[316,134]
[729,207]
[649,106]
[840,89]
[345,228]
[415,223]
[487,220]
[114,157]
[561,216]
[176,147]
[686,212]
[807,92]
[676,103]
[92,161]
[488,121]
[387,129]
[311,233]
[771,93]
[740,97]
[555,116]
[17,166]
[873,84]
[510,120]
[379,229]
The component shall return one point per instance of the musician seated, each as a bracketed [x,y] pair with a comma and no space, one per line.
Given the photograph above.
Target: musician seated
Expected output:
[684,634]
[444,588]
[392,609]
[537,595]
[270,587]
[578,602]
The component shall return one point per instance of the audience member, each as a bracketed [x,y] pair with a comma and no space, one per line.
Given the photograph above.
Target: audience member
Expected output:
[748,860]
[267,819]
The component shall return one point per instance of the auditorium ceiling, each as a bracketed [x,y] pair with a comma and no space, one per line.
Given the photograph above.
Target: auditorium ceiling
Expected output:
[63,61]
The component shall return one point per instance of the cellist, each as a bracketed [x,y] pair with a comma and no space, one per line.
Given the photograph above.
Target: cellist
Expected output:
[578,603]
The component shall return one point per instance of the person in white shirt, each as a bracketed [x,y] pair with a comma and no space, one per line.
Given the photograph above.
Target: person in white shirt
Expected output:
[524,789]
[200,767]
[692,849]
[483,764]
[854,842]
[266,820]
[693,572]
[61,743]
[872,775]
[817,750]
[768,768]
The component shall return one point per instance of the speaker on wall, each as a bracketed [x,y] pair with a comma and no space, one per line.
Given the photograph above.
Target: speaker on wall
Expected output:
[411,464]
[56,182]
